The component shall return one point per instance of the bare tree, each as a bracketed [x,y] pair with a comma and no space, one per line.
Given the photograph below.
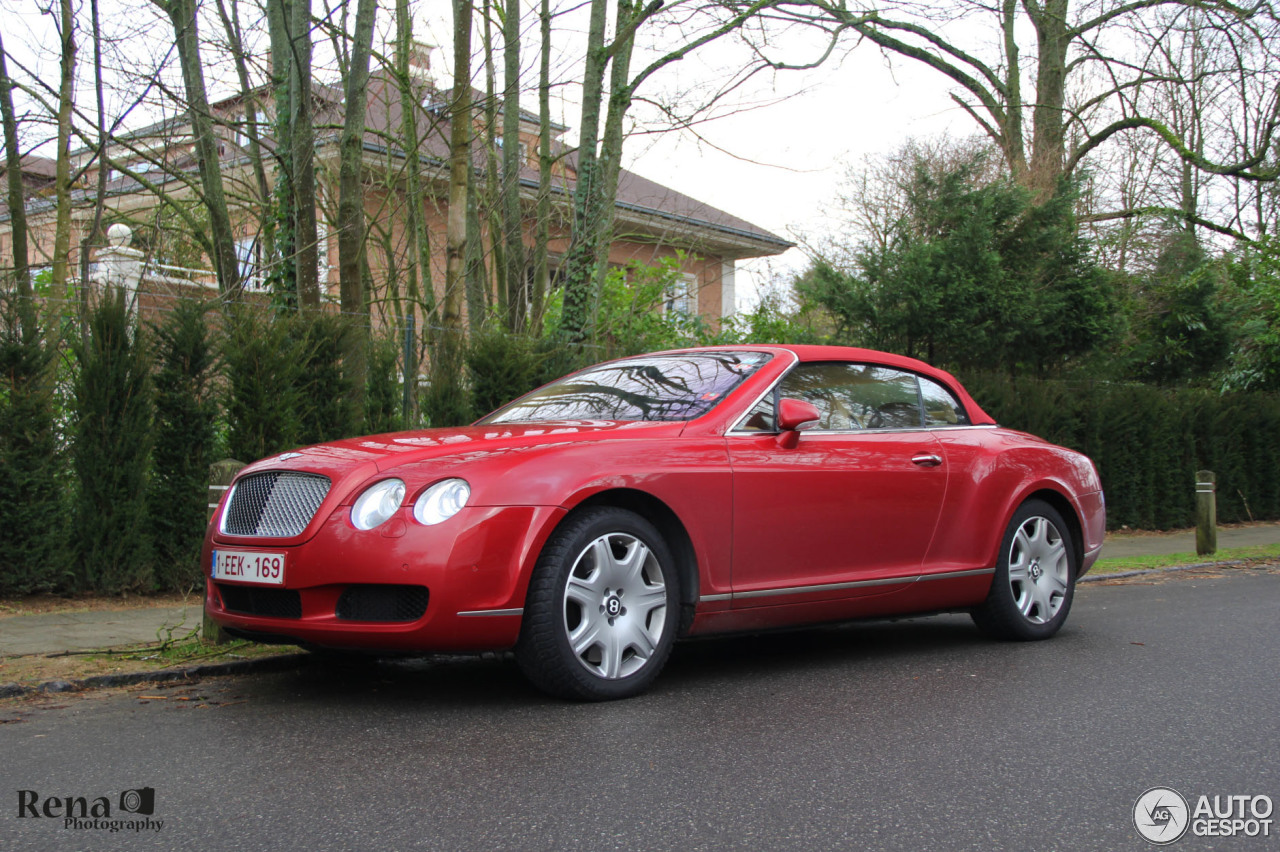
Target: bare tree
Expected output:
[183,16]
[601,129]
[1089,64]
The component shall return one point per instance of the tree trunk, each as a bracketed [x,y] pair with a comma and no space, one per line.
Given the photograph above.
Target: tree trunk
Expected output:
[303,151]
[1011,141]
[579,296]
[95,228]
[183,15]
[418,265]
[492,199]
[610,163]
[1049,115]
[448,402]
[16,196]
[512,162]
[230,17]
[460,130]
[542,236]
[282,276]
[62,169]
[351,233]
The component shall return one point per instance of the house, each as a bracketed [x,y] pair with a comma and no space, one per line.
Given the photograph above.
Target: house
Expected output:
[652,221]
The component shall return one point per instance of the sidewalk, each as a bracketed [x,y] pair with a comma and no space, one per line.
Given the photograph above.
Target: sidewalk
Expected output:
[95,630]
[54,633]
[1128,545]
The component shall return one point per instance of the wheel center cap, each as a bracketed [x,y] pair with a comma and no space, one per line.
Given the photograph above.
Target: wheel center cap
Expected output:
[1036,571]
[612,605]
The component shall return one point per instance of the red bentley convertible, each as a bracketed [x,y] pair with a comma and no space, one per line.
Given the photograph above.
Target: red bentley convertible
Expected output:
[592,522]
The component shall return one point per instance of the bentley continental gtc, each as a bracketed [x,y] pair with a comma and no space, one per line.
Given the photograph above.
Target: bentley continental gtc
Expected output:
[591,523]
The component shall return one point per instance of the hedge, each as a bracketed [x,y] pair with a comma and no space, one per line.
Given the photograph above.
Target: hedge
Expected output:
[1149,442]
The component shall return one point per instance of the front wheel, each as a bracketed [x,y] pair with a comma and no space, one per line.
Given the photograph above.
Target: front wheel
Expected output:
[1034,582]
[600,616]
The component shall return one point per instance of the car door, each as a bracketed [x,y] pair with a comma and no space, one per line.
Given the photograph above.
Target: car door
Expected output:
[850,509]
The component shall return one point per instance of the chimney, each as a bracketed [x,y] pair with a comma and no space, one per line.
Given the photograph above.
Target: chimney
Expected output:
[420,60]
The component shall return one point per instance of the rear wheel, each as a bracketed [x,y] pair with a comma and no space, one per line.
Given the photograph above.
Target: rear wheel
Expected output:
[1034,582]
[600,616]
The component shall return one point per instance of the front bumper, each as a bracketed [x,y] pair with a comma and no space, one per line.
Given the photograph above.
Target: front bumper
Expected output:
[456,586]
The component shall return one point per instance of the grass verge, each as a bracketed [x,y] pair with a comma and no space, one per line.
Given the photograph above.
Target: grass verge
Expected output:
[1167,560]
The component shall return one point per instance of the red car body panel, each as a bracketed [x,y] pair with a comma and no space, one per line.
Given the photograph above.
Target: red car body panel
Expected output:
[837,525]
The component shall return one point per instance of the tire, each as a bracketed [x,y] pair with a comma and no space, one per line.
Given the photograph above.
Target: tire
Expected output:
[602,609]
[1035,577]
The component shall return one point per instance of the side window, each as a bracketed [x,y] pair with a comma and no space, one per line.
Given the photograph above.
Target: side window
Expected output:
[761,417]
[826,387]
[940,407]
[889,399]
[856,396]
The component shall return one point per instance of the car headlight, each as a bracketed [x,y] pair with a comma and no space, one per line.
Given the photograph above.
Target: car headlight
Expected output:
[441,501]
[377,503]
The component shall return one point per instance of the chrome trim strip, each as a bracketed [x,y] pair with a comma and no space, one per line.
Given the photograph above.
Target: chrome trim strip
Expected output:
[1089,553]
[741,433]
[709,598]
[972,572]
[829,587]
[825,587]
[476,612]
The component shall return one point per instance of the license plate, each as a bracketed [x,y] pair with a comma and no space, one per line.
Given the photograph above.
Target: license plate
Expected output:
[248,566]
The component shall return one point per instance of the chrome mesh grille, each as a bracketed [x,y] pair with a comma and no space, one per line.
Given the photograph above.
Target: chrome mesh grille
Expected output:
[274,504]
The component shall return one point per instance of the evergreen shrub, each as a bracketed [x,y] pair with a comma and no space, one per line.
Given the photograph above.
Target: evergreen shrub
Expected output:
[33,511]
[184,432]
[111,452]
[382,394]
[263,373]
[503,366]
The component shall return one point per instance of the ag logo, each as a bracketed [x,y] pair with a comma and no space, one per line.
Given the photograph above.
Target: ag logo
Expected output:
[1161,815]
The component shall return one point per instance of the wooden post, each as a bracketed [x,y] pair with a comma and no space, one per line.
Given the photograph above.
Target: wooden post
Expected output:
[220,475]
[1206,513]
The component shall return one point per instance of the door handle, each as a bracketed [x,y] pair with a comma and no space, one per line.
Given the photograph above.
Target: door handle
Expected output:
[927,460]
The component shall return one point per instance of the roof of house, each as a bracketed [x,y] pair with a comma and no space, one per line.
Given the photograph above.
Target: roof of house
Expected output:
[640,201]
[34,165]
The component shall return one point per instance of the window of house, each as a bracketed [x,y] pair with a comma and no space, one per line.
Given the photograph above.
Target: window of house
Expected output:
[682,296]
[249,260]
[259,121]
[524,148]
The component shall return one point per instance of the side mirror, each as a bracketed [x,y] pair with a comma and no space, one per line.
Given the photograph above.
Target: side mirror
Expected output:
[795,416]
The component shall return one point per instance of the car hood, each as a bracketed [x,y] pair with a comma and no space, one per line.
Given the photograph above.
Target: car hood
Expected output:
[353,459]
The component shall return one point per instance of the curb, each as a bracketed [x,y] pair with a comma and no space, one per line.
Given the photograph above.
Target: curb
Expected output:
[189,674]
[1120,575]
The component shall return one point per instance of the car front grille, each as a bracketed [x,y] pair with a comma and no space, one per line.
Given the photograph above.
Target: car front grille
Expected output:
[274,504]
[382,603]
[249,600]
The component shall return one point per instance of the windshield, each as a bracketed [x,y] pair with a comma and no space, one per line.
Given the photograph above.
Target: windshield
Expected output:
[650,387]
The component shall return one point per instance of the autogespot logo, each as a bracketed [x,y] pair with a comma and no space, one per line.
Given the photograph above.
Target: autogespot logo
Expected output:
[1161,815]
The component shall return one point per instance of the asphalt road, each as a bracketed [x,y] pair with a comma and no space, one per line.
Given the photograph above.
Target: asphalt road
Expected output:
[914,735]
